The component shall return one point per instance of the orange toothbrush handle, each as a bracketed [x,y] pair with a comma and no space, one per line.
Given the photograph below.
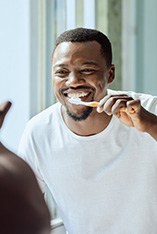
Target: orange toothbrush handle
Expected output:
[123,109]
[94,104]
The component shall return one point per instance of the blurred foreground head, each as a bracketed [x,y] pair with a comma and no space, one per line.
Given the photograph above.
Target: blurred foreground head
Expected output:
[22,206]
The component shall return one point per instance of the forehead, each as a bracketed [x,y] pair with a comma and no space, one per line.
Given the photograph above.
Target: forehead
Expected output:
[77,50]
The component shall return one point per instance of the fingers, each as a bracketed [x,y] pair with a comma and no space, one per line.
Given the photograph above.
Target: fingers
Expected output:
[114,104]
[4,107]
[133,106]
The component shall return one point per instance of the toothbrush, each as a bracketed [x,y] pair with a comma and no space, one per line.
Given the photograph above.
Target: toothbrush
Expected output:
[77,101]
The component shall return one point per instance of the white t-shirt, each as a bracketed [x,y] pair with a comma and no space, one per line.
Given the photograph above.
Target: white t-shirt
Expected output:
[102,184]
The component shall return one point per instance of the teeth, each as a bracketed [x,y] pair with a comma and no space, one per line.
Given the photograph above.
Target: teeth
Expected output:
[77,95]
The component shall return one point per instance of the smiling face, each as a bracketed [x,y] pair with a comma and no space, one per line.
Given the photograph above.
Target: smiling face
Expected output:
[80,70]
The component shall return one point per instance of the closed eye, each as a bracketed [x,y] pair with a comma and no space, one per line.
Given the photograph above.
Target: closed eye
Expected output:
[61,72]
[88,71]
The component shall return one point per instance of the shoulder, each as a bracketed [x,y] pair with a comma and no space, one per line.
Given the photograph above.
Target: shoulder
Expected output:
[46,115]
[12,166]
[37,131]
[44,119]
[19,189]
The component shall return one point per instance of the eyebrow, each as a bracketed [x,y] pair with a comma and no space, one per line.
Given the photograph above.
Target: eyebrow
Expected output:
[85,63]
[59,65]
[90,62]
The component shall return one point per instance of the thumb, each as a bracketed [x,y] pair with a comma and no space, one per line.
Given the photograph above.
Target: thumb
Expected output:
[4,107]
[134,106]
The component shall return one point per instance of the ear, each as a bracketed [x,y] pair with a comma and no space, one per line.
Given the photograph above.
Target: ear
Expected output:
[111,74]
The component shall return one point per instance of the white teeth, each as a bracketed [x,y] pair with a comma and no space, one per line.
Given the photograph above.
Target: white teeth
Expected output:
[77,95]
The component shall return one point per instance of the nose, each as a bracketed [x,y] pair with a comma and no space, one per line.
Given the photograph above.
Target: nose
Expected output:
[74,79]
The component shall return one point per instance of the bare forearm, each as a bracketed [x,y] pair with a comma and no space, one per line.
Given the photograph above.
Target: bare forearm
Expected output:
[152,129]
[146,121]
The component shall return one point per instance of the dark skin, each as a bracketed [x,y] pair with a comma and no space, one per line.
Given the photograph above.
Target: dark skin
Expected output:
[76,71]
[23,209]
[80,70]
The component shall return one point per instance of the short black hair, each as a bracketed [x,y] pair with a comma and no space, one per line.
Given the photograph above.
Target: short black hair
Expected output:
[85,35]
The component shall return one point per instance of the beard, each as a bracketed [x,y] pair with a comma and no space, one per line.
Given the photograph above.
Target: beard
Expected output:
[79,117]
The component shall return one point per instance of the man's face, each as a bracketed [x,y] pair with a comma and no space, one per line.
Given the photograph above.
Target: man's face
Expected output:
[79,71]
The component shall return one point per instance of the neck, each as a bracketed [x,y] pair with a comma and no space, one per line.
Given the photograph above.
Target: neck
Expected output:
[94,124]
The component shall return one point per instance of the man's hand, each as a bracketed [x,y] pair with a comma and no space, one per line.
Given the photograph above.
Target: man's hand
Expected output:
[134,115]
[4,107]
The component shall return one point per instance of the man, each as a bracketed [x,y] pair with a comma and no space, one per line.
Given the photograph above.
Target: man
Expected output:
[22,207]
[98,163]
